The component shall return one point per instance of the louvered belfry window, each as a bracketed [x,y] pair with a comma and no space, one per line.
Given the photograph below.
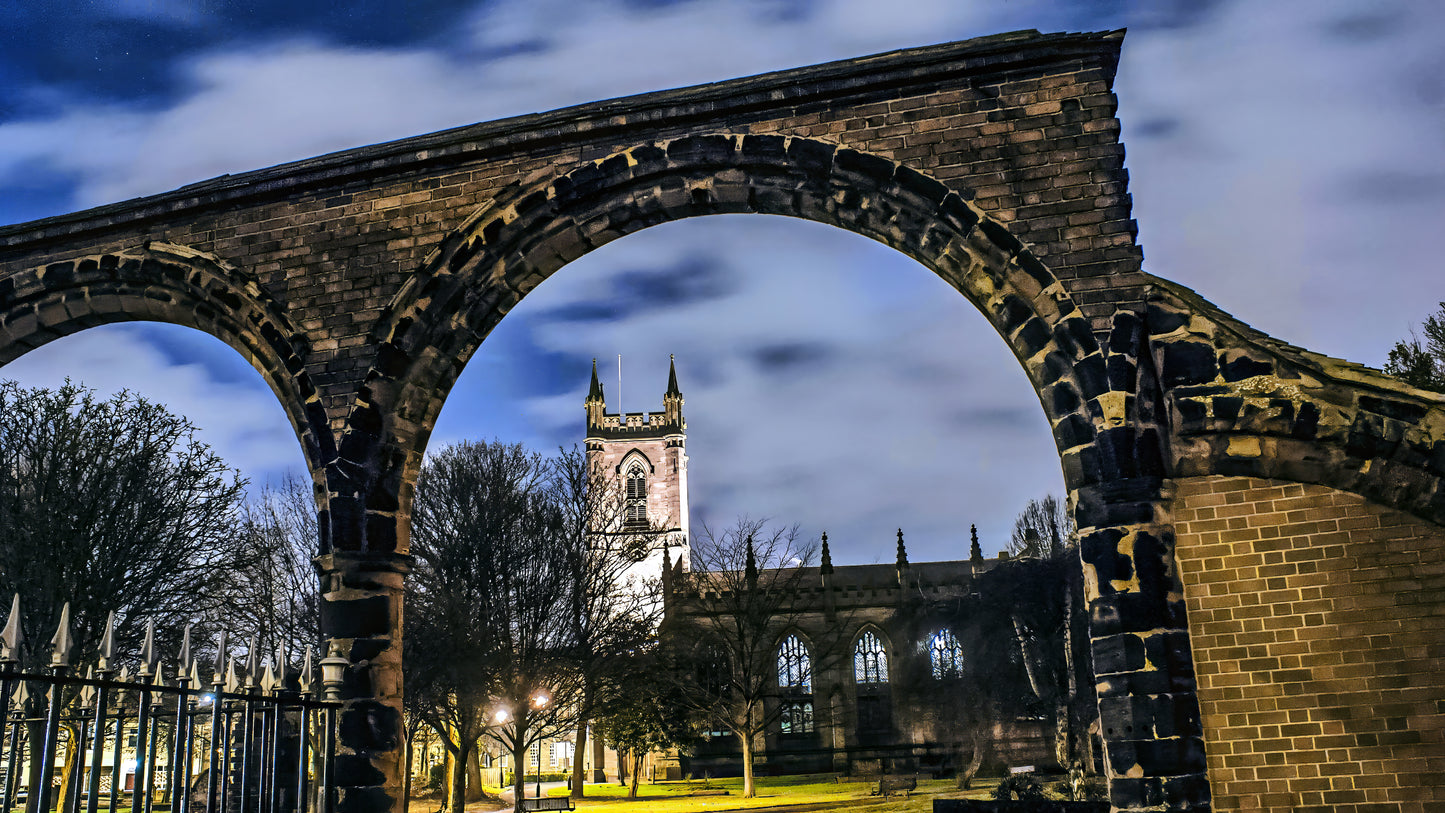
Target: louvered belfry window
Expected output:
[636,513]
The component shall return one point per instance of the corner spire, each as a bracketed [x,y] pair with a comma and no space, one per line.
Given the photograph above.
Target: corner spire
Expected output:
[902,551]
[672,377]
[750,571]
[825,564]
[975,553]
[594,392]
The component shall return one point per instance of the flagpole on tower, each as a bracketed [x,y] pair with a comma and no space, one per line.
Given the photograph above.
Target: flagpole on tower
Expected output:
[620,414]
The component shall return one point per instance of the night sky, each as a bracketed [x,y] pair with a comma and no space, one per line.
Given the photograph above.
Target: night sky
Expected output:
[1287,161]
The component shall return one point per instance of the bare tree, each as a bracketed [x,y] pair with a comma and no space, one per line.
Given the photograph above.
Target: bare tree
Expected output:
[729,613]
[615,608]
[110,505]
[515,604]
[274,593]
[1042,529]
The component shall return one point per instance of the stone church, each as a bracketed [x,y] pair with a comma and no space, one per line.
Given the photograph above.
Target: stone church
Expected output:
[861,651]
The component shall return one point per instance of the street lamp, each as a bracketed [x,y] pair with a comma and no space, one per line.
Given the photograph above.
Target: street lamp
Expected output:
[539,701]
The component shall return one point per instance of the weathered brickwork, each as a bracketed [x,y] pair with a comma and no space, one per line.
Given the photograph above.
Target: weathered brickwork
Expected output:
[1317,620]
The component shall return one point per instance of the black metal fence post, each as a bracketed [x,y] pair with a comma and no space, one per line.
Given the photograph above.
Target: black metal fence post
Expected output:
[255,780]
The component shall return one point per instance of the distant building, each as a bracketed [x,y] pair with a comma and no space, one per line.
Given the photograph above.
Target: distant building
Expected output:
[857,649]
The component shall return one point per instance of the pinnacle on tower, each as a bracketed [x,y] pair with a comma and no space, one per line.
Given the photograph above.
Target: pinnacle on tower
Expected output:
[750,572]
[672,389]
[975,553]
[594,392]
[902,552]
[825,565]
[672,399]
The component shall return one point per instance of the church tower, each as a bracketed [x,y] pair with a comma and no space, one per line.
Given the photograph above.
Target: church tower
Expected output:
[647,453]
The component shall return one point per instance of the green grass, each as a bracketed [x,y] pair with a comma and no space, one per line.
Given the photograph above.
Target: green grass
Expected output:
[815,789]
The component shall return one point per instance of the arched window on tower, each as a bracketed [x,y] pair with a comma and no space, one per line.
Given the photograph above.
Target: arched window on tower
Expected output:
[795,682]
[945,654]
[870,660]
[636,509]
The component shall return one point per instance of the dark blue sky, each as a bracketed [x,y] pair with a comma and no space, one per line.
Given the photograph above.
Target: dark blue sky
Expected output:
[1286,161]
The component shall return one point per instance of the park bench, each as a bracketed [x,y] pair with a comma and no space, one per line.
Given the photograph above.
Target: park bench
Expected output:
[895,783]
[548,803]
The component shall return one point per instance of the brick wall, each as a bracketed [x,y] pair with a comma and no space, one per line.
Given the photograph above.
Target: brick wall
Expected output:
[1317,621]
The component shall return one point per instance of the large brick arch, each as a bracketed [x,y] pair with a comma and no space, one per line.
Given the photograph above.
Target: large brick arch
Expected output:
[535,227]
[994,162]
[161,282]
[1095,398]
[1240,403]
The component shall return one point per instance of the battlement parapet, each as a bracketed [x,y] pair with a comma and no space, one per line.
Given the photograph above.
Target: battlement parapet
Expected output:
[634,424]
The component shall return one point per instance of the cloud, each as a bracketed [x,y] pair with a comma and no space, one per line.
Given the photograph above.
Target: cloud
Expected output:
[1294,187]
[1284,161]
[826,390]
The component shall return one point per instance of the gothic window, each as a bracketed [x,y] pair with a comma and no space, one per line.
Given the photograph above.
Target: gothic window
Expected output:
[797,717]
[870,661]
[945,654]
[795,668]
[636,509]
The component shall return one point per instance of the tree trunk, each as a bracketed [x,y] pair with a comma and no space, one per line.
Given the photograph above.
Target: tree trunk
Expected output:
[407,772]
[457,792]
[578,759]
[35,735]
[519,776]
[474,775]
[1029,666]
[749,791]
[980,748]
[67,770]
[636,754]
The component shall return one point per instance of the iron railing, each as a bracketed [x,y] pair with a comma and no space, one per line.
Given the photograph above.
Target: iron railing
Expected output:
[256,739]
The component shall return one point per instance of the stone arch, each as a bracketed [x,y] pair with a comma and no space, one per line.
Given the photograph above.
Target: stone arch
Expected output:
[163,282]
[534,227]
[635,454]
[1236,402]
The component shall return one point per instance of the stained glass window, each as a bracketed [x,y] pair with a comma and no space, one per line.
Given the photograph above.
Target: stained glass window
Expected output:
[797,717]
[945,654]
[795,668]
[870,661]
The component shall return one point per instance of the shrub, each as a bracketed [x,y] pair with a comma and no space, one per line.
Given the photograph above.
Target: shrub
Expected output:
[1019,786]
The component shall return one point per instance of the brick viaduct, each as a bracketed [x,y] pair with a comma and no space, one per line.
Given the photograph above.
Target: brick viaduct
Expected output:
[1260,525]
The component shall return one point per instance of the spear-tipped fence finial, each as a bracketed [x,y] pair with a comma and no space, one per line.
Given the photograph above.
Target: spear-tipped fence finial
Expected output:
[219,673]
[87,691]
[22,696]
[281,663]
[61,643]
[307,676]
[148,651]
[268,678]
[232,683]
[253,663]
[12,636]
[184,662]
[107,643]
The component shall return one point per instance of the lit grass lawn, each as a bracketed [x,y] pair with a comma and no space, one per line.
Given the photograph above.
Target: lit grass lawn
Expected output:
[773,791]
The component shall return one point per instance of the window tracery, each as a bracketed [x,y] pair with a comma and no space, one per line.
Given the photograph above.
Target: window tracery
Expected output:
[870,660]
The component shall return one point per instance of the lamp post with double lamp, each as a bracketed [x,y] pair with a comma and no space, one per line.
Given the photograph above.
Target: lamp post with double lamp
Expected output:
[538,701]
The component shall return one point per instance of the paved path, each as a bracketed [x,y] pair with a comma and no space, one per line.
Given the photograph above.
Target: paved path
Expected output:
[529,791]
